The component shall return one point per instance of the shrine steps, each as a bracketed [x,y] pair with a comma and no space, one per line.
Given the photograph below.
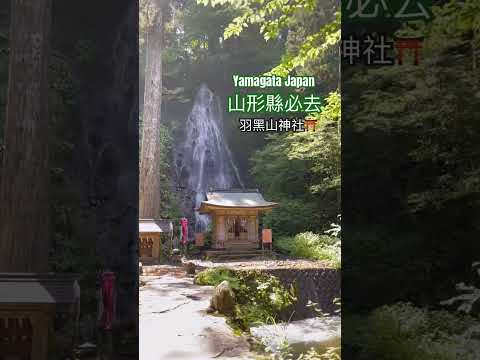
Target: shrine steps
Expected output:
[240,245]
[238,254]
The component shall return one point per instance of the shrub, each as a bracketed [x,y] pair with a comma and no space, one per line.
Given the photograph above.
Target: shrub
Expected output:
[403,331]
[260,297]
[214,276]
[292,217]
[312,246]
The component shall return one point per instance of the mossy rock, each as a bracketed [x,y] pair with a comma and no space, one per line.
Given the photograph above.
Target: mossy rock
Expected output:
[223,299]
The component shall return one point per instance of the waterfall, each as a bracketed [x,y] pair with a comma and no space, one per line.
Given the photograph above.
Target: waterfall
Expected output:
[203,159]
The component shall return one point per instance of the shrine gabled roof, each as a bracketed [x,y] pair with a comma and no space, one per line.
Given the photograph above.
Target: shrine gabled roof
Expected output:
[38,288]
[25,292]
[154,226]
[235,199]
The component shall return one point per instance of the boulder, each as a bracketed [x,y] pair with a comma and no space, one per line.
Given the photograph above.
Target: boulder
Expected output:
[190,268]
[223,299]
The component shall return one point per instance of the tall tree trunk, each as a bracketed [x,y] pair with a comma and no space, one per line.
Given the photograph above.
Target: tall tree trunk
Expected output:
[152,104]
[24,201]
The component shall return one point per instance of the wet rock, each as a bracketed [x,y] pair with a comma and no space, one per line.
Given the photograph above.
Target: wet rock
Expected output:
[223,299]
[318,333]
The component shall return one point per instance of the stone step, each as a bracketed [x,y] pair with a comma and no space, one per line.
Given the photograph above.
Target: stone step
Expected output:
[237,243]
[240,242]
[229,251]
[240,248]
[239,255]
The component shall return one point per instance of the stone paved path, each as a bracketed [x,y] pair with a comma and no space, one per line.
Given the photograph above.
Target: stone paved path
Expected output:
[174,325]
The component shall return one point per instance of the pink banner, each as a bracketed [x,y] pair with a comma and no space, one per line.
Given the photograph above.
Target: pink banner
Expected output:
[108,299]
[184,223]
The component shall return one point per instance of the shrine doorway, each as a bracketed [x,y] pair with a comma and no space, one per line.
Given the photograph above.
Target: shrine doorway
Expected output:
[237,229]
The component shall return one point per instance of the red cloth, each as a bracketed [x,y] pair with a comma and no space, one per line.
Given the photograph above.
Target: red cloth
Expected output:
[108,289]
[184,223]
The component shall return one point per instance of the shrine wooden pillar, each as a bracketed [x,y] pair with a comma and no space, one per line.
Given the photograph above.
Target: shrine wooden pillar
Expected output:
[220,233]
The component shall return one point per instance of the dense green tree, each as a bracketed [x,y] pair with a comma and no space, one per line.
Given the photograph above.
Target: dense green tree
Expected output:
[311,29]
[418,131]
[302,172]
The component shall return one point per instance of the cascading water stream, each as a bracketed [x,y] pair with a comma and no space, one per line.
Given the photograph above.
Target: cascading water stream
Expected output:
[203,159]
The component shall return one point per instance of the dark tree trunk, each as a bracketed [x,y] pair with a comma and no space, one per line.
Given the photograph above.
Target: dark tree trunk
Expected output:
[150,148]
[24,209]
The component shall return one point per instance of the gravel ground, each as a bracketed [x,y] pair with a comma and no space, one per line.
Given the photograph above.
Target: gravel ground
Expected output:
[264,264]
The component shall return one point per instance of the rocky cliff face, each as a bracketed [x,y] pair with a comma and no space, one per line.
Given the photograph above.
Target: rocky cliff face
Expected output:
[202,158]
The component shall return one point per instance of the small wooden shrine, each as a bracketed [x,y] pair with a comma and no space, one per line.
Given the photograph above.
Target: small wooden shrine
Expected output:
[31,306]
[235,217]
[150,237]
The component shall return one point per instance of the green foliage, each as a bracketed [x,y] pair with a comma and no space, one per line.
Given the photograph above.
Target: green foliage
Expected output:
[260,298]
[209,236]
[311,246]
[314,52]
[301,171]
[312,354]
[292,216]
[322,147]
[412,142]
[331,354]
[194,51]
[455,23]
[313,36]
[403,331]
[169,202]
[417,104]
[214,276]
